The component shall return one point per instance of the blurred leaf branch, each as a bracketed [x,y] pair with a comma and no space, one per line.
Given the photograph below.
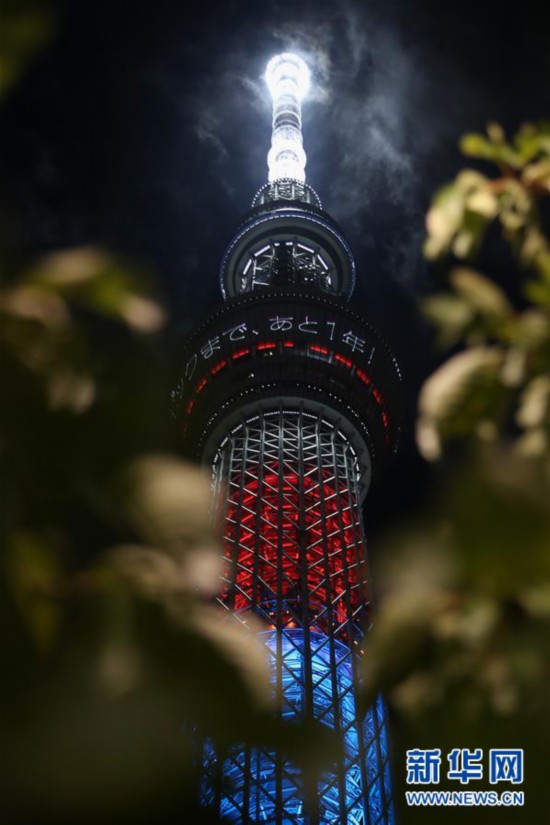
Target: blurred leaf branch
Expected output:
[503,372]
[460,642]
[109,560]
[108,554]
[109,563]
[26,28]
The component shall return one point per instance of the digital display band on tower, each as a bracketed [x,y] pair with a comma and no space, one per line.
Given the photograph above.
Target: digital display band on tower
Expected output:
[294,401]
[290,344]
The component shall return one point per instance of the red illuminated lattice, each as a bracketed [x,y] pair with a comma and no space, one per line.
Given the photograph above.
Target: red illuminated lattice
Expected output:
[292,522]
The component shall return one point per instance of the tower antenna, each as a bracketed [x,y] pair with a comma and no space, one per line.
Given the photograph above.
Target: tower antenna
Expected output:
[288,78]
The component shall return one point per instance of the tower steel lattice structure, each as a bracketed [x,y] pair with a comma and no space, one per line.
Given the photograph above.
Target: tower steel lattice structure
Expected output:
[293,399]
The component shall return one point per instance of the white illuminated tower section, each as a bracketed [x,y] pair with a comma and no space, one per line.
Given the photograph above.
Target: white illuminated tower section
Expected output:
[293,399]
[287,77]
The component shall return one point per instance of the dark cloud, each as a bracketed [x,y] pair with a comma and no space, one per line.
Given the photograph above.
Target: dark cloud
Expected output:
[394,87]
[156,141]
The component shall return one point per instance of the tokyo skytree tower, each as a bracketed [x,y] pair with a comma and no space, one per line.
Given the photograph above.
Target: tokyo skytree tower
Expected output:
[293,399]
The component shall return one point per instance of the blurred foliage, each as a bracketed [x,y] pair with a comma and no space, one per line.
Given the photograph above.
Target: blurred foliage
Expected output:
[25,27]
[503,373]
[108,558]
[460,642]
[114,656]
[109,562]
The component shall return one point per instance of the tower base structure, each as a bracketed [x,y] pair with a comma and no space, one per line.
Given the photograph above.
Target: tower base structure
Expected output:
[288,485]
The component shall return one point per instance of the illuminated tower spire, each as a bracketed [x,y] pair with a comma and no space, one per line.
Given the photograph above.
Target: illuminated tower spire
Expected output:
[287,77]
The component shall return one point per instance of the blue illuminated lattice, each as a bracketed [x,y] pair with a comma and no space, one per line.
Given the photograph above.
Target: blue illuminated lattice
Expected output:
[255,783]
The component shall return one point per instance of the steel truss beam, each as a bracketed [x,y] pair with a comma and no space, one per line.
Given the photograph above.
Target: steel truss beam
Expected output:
[287,492]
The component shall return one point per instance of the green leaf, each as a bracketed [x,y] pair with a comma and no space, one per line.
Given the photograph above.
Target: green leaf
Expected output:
[168,503]
[538,174]
[463,391]
[90,276]
[27,26]
[470,234]
[34,576]
[478,146]
[450,314]
[534,403]
[481,294]
[538,293]
[531,329]
[459,214]
[483,201]
[241,644]
[493,148]
[533,140]
[443,220]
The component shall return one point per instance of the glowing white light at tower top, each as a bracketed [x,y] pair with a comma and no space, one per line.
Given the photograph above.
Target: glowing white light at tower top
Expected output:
[287,77]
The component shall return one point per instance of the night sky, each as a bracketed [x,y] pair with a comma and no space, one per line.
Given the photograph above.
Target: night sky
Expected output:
[145,127]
